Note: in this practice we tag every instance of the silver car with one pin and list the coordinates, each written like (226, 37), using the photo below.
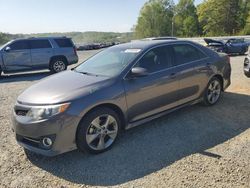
(54, 53)
(118, 88)
(247, 65)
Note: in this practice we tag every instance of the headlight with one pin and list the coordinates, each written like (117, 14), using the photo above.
(44, 112)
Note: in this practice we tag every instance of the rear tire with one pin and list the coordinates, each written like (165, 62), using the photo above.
(213, 92)
(58, 65)
(98, 131)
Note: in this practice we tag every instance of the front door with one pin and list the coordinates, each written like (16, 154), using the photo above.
(156, 92)
(16, 56)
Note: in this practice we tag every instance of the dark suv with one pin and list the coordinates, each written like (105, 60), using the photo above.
(54, 53)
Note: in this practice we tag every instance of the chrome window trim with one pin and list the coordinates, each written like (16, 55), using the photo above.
(161, 45)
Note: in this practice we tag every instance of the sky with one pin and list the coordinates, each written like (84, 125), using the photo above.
(40, 16)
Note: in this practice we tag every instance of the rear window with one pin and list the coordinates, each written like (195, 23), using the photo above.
(185, 53)
(64, 43)
(36, 44)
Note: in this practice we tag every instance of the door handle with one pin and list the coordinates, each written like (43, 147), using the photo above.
(173, 75)
(208, 64)
(205, 68)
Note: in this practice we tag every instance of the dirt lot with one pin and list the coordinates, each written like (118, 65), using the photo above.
(193, 147)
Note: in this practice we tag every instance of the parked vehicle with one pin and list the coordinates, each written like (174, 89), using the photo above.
(119, 88)
(230, 46)
(95, 46)
(247, 65)
(54, 53)
(161, 38)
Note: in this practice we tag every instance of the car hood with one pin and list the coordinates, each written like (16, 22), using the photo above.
(62, 87)
(212, 41)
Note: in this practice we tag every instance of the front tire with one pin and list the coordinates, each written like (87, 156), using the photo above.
(98, 131)
(58, 65)
(213, 92)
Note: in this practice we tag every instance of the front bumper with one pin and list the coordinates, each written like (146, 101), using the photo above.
(247, 66)
(61, 129)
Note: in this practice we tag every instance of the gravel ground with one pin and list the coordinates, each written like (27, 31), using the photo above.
(193, 147)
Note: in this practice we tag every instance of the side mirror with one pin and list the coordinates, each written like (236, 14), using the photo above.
(138, 72)
(7, 49)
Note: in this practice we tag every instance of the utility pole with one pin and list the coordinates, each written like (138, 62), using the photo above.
(172, 33)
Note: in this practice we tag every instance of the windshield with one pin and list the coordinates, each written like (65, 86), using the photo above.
(109, 62)
(3, 45)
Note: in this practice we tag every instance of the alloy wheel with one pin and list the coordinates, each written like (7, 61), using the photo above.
(59, 66)
(214, 91)
(102, 132)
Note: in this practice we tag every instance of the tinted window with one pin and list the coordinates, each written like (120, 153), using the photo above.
(235, 41)
(19, 45)
(64, 43)
(185, 53)
(34, 44)
(156, 59)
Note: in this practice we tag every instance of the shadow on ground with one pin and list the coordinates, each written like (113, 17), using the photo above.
(155, 145)
(24, 77)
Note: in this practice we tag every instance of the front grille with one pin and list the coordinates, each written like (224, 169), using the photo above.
(21, 112)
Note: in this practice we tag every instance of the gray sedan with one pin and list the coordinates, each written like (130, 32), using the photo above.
(118, 88)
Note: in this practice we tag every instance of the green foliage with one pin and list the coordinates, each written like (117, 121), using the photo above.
(220, 17)
(5, 37)
(246, 30)
(155, 19)
(186, 19)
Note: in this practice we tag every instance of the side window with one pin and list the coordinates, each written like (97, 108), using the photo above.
(19, 45)
(185, 53)
(37, 44)
(64, 43)
(156, 59)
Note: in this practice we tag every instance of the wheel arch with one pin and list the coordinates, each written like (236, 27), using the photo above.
(58, 57)
(218, 76)
(111, 106)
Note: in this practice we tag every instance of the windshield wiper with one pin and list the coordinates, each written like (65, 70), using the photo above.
(86, 73)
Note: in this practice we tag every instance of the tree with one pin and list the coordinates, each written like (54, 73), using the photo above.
(246, 30)
(186, 19)
(220, 17)
(155, 19)
(3, 38)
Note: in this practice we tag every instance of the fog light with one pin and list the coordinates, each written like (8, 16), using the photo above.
(47, 142)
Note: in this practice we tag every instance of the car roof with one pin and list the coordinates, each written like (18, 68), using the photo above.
(37, 38)
(145, 44)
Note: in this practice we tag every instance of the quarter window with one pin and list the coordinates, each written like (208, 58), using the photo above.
(64, 43)
(156, 59)
(37, 44)
(185, 53)
(19, 45)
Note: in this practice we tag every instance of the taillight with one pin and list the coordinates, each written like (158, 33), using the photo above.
(75, 50)
(228, 59)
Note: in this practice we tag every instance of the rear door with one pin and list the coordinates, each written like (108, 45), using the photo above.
(17, 56)
(193, 68)
(234, 45)
(41, 52)
(156, 92)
